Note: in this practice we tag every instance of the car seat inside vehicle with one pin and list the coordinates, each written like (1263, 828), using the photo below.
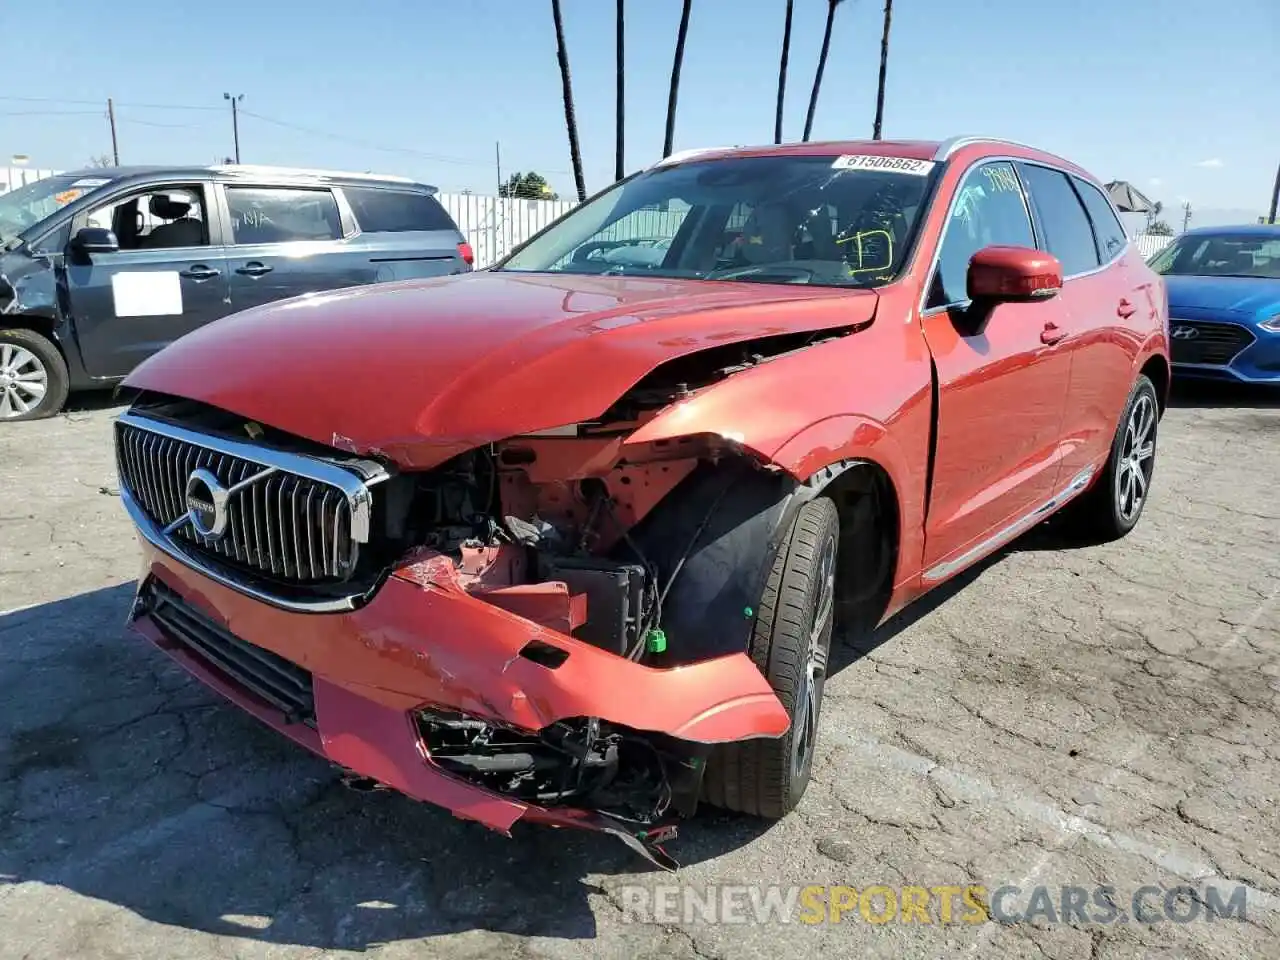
(180, 230)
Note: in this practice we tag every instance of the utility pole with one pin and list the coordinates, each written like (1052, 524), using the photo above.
(619, 106)
(497, 158)
(1275, 198)
(115, 145)
(235, 123)
(1186, 215)
(884, 66)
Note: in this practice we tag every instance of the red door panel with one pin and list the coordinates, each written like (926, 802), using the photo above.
(1103, 313)
(1001, 394)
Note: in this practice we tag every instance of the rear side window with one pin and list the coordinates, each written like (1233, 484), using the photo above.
(1067, 233)
(1106, 226)
(396, 211)
(282, 214)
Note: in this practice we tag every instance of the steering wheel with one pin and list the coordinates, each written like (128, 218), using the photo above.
(732, 273)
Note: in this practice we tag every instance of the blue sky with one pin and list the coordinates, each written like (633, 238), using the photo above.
(1177, 96)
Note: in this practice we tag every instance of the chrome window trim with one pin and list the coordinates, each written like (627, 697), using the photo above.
(950, 146)
(1026, 201)
(352, 479)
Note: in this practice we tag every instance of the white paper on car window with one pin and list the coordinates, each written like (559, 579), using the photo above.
(150, 293)
(857, 161)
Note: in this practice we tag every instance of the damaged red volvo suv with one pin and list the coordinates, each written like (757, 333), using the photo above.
(567, 539)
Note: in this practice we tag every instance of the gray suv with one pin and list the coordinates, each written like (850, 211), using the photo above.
(101, 268)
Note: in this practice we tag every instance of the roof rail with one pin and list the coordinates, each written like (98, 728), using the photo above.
(947, 147)
(681, 155)
(248, 168)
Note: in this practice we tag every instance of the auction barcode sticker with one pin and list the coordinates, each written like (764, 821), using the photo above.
(859, 161)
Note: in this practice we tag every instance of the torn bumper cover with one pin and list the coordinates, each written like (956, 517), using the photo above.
(365, 688)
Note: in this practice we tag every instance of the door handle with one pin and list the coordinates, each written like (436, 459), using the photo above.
(254, 269)
(1126, 309)
(1051, 334)
(199, 272)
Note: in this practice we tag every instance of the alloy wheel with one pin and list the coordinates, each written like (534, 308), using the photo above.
(23, 381)
(809, 695)
(1137, 459)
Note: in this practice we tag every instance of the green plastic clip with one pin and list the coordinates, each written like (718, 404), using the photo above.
(656, 641)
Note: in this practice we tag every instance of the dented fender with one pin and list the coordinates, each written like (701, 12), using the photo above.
(28, 286)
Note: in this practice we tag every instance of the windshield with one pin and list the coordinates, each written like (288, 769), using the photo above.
(1221, 255)
(27, 206)
(828, 221)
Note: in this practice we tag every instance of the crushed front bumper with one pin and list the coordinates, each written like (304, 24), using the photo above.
(423, 642)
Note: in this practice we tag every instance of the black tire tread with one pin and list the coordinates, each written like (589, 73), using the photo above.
(754, 776)
(1093, 517)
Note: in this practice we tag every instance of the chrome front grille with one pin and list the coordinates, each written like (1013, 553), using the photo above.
(295, 519)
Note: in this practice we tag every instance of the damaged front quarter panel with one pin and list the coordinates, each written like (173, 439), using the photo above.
(28, 287)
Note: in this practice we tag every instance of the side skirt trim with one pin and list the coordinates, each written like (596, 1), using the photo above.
(948, 567)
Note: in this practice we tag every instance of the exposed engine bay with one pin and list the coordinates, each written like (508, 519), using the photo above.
(552, 530)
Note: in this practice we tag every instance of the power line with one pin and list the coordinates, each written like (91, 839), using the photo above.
(119, 103)
(152, 123)
(363, 143)
(434, 157)
(285, 124)
(45, 100)
(49, 113)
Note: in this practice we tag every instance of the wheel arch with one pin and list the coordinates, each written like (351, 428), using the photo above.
(870, 511)
(35, 322)
(1156, 369)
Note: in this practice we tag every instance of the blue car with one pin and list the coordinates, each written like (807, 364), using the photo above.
(1224, 302)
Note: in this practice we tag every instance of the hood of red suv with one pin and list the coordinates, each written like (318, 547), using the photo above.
(420, 370)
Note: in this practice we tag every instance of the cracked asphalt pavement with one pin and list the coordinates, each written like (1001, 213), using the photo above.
(1100, 715)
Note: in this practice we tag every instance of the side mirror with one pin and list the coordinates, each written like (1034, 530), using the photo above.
(1012, 274)
(95, 240)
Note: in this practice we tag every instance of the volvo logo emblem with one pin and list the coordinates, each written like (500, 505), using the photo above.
(1185, 333)
(207, 504)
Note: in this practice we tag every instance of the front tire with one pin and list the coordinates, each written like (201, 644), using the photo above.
(1112, 507)
(791, 644)
(33, 376)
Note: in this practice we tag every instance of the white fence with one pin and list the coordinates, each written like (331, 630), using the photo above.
(1150, 244)
(11, 178)
(495, 225)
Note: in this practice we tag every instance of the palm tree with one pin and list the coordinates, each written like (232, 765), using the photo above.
(1153, 214)
(782, 74)
(562, 54)
(675, 78)
(618, 165)
(822, 65)
(884, 68)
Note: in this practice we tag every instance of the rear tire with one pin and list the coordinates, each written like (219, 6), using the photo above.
(1113, 505)
(33, 376)
(791, 644)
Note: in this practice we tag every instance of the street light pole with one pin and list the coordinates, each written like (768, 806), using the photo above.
(235, 123)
